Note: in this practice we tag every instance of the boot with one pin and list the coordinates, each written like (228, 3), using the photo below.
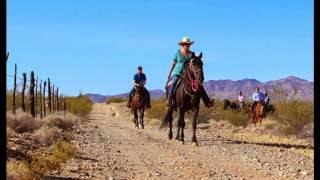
(129, 101)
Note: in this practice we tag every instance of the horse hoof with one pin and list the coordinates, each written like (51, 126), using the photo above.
(170, 136)
(182, 142)
(195, 144)
(142, 127)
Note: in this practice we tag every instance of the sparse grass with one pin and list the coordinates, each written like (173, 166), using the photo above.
(17, 171)
(115, 100)
(294, 115)
(236, 118)
(157, 110)
(80, 106)
(41, 164)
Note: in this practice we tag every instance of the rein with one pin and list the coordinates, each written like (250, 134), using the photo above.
(195, 83)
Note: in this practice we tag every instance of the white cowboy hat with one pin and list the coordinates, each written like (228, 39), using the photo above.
(185, 40)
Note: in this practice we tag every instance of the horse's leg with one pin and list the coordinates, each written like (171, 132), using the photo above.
(135, 117)
(194, 127)
(170, 119)
(141, 117)
(181, 125)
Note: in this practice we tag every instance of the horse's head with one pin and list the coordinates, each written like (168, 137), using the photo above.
(139, 90)
(195, 68)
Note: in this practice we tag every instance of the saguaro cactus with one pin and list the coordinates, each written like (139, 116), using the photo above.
(57, 100)
(24, 75)
(31, 95)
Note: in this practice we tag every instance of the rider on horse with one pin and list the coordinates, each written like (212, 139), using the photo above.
(257, 97)
(181, 57)
(241, 99)
(139, 78)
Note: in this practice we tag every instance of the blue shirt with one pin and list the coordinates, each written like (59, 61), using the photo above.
(258, 96)
(139, 78)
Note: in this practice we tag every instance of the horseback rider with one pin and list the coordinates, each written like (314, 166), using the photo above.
(257, 97)
(267, 100)
(181, 57)
(241, 100)
(139, 79)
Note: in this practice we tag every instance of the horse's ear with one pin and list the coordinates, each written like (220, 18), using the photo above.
(200, 55)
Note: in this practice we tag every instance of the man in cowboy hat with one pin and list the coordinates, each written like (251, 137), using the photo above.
(139, 78)
(180, 58)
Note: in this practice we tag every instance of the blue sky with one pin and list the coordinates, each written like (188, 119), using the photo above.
(96, 46)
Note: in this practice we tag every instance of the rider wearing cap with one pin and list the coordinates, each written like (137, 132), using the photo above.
(139, 78)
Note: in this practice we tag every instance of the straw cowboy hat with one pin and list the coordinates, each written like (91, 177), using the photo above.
(185, 40)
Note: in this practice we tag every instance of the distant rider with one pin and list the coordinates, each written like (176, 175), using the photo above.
(257, 97)
(241, 99)
(267, 100)
(139, 78)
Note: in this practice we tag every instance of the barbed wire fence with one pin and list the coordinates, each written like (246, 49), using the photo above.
(46, 101)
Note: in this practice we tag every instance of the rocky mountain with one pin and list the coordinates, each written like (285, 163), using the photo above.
(287, 88)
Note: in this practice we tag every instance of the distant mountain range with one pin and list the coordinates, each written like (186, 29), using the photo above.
(288, 88)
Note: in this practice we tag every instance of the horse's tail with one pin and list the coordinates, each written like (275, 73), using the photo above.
(165, 121)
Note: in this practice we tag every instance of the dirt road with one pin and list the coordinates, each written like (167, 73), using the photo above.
(111, 147)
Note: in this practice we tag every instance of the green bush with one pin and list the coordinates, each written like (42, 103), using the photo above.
(294, 114)
(80, 106)
(115, 100)
(158, 109)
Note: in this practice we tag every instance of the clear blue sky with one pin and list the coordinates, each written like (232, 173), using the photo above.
(97, 45)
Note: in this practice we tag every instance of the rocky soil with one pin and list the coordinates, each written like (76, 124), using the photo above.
(110, 147)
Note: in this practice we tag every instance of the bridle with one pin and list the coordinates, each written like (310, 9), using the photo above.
(195, 83)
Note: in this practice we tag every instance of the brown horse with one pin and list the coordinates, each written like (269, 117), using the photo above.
(257, 114)
(138, 105)
(187, 97)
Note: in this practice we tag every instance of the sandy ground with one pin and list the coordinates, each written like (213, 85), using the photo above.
(110, 147)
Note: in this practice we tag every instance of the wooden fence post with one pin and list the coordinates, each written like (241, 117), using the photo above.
(24, 75)
(36, 100)
(49, 95)
(44, 98)
(41, 115)
(53, 109)
(14, 89)
(57, 101)
(31, 95)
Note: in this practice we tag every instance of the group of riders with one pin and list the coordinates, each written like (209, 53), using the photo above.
(257, 97)
(181, 57)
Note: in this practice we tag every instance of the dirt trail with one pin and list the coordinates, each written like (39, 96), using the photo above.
(110, 146)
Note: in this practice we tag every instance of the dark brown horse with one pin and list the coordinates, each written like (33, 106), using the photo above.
(187, 97)
(138, 105)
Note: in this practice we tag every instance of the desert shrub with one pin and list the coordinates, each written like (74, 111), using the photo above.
(115, 100)
(46, 135)
(17, 170)
(22, 122)
(80, 106)
(236, 118)
(62, 122)
(294, 114)
(157, 110)
(41, 164)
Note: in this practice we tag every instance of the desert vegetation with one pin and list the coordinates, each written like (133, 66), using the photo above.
(115, 100)
(292, 116)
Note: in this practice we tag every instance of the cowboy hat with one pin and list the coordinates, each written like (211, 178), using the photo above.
(185, 40)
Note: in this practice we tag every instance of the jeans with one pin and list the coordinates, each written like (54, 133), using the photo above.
(174, 81)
